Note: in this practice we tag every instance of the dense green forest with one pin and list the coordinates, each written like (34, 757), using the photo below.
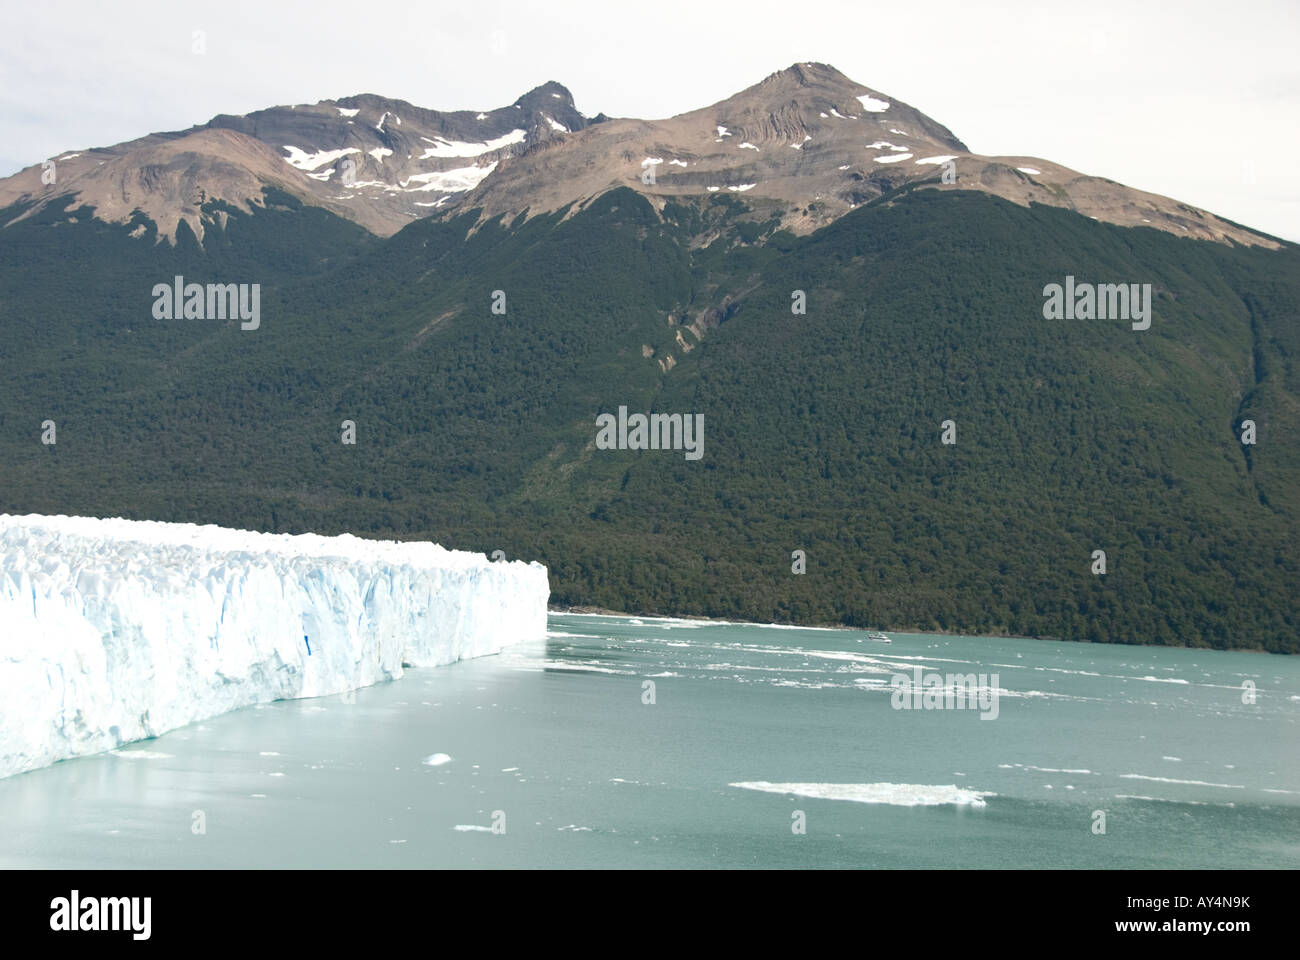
(822, 430)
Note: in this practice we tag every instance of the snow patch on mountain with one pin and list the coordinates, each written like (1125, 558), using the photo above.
(450, 181)
(443, 149)
(310, 161)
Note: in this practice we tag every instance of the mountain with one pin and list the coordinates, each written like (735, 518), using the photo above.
(806, 144)
(823, 431)
(372, 160)
(809, 145)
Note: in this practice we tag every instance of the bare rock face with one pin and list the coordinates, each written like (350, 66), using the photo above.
(805, 145)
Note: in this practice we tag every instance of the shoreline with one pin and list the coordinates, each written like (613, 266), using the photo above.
(584, 610)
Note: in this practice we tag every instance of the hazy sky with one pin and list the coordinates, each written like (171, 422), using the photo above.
(1195, 100)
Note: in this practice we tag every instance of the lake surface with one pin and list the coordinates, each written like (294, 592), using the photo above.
(554, 743)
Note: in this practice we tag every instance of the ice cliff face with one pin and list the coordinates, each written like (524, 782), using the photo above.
(117, 630)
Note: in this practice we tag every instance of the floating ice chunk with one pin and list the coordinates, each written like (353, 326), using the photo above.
(872, 105)
(1055, 769)
(436, 760)
(1194, 783)
(895, 794)
(141, 754)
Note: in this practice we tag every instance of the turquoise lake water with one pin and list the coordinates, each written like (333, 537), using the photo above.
(555, 744)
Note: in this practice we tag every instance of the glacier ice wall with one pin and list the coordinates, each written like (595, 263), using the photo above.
(117, 630)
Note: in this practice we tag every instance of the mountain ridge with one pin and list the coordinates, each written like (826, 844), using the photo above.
(807, 144)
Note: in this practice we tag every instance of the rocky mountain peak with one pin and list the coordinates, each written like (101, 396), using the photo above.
(806, 144)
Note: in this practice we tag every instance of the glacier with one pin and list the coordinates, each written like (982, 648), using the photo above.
(117, 630)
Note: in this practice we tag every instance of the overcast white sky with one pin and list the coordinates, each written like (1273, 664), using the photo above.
(1198, 99)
